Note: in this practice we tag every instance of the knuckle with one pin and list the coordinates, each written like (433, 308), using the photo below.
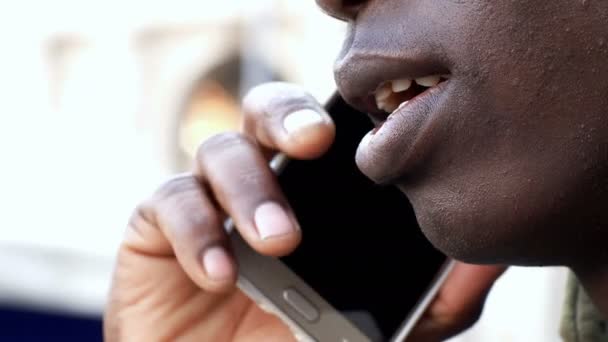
(187, 215)
(251, 177)
(222, 142)
(182, 183)
(144, 214)
(181, 196)
(195, 223)
(277, 99)
(183, 201)
(263, 92)
(279, 107)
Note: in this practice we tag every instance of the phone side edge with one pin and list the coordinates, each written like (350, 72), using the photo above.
(423, 304)
(265, 280)
(267, 305)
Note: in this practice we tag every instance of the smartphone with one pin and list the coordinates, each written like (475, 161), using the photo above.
(363, 272)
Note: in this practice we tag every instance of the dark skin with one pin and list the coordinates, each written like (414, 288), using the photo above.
(510, 164)
(505, 163)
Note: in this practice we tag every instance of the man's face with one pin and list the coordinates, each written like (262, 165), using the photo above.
(506, 160)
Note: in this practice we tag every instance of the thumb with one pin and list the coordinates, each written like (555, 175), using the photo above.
(283, 117)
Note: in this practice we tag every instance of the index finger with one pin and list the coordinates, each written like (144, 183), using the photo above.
(283, 117)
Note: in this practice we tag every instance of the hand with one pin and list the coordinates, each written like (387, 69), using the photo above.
(458, 304)
(175, 274)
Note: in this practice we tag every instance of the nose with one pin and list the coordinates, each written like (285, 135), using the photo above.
(342, 9)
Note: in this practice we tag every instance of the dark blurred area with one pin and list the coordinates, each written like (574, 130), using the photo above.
(19, 324)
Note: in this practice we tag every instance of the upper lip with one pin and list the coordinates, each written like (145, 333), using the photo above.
(359, 73)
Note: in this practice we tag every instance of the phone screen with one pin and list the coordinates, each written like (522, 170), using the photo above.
(362, 249)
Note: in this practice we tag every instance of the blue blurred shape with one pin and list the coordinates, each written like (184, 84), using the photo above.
(17, 324)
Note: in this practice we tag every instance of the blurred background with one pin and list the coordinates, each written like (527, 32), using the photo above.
(100, 101)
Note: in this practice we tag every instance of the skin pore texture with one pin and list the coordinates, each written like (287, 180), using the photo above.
(508, 162)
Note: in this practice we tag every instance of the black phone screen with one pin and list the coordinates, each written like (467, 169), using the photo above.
(362, 249)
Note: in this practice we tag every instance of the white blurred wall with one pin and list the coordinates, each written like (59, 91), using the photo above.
(89, 91)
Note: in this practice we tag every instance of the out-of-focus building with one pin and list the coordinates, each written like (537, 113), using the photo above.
(100, 101)
(105, 99)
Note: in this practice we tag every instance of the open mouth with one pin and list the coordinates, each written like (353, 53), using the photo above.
(394, 95)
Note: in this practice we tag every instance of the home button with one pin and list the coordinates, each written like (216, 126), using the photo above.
(302, 305)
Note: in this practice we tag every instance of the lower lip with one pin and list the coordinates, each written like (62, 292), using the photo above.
(387, 153)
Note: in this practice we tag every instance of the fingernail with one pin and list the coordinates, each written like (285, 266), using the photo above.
(301, 119)
(217, 264)
(271, 220)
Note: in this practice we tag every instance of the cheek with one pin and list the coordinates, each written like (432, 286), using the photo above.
(523, 162)
(484, 219)
(519, 209)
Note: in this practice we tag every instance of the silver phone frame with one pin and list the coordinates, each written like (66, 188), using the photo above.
(264, 279)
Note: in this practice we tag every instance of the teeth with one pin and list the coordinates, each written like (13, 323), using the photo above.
(428, 81)
(390, 107)
(401, 85)
(381, 105)
(383, 93)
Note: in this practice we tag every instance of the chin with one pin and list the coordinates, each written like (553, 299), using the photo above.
(486, 230)
(458, 241)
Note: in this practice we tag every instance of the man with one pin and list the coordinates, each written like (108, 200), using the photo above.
(502, 148)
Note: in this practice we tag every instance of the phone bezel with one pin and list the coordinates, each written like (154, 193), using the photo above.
(264, 279)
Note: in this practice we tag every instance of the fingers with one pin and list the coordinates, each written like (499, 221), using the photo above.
(466, 285)
(459, 303)
(284, 117)
(185, 217)
(180, 220)
(246, 188)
